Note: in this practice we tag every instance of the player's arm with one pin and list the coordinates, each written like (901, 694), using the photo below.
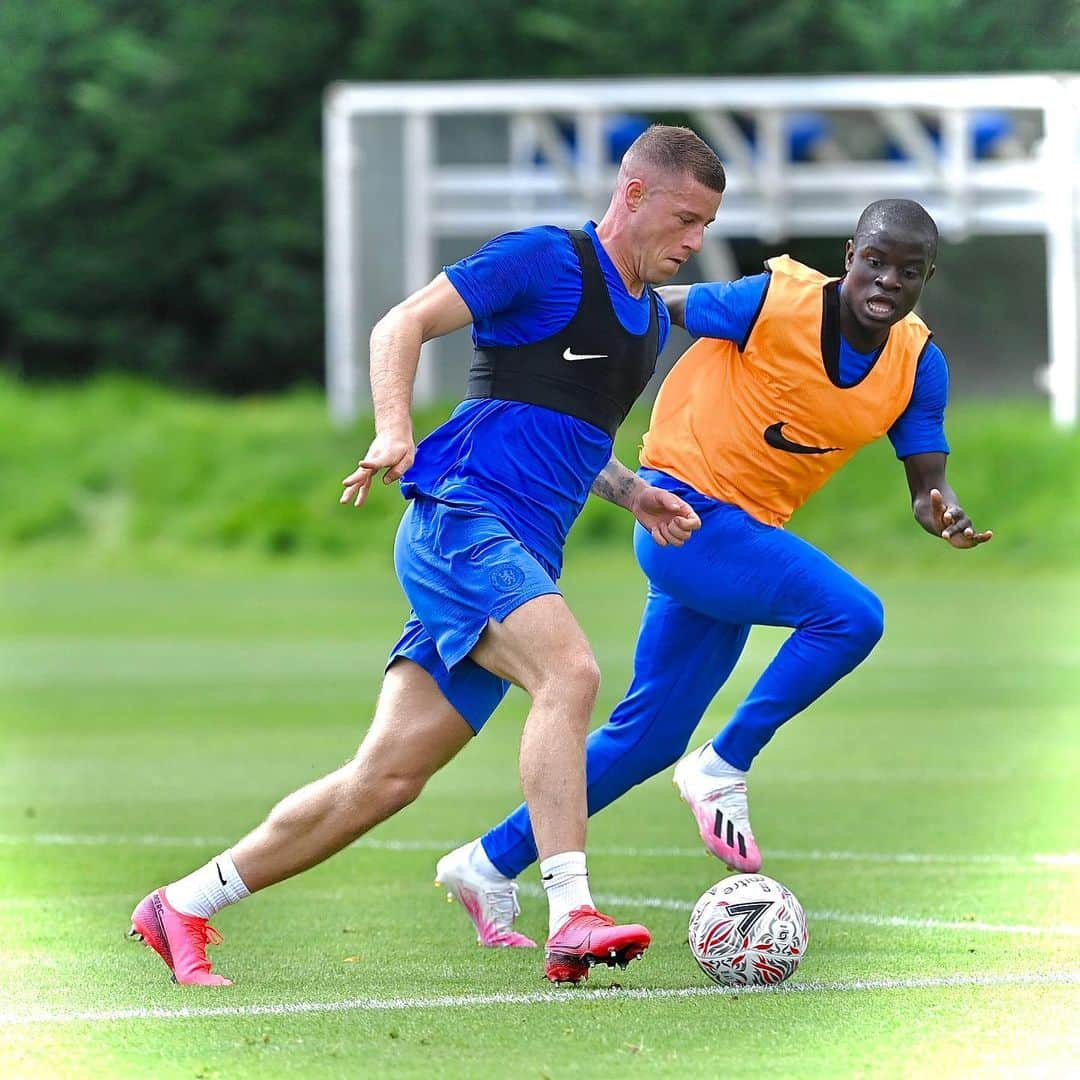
(668, 519)
(918, 437)
(936, 506)
(674, 297)
(431, 312)
(717, 309)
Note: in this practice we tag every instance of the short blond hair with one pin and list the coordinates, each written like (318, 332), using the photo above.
(677, 150)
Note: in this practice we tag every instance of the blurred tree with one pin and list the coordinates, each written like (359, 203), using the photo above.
(491, 39)
(160, 203)
(160, 192)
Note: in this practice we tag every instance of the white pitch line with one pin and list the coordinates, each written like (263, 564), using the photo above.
(900, 921)
(940, 924)
(154, 840)
(530, 889)
(548, 997)
(1059, 860)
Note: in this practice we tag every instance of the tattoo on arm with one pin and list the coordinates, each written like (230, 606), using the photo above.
(616, 483)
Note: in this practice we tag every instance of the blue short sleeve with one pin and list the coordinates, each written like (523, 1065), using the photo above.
(525, 286)
(512, 271)
(920, 429)
(725, 309)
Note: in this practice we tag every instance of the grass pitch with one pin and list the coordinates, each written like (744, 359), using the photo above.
(924, 812)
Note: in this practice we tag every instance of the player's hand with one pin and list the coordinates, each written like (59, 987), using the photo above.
(953, 525)
(670, 521)
(394, 453)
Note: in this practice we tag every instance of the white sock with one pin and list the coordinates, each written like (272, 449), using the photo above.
(712, 764)
(566, 882)
(480, 864)
(209, 889)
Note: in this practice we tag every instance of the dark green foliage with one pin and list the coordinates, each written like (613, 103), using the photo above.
(568, 38)
(160, 174)
(160, 185)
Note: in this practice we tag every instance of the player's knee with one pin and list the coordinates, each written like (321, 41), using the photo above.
(395, 791)
(864, 617)
(583, 675)
(400, 791)
(387, 789)
(576, 675)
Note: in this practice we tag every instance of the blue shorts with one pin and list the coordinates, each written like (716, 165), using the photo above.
(459, 568)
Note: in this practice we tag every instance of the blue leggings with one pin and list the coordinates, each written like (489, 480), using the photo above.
(702, 600)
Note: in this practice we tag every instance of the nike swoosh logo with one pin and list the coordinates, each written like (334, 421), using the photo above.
(569, 354)
(221, 876)
(774, 436)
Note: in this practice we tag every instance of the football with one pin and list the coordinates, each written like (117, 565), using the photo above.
(748, 930)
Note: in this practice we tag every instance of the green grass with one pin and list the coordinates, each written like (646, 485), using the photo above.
(180, 707)
(117, 473)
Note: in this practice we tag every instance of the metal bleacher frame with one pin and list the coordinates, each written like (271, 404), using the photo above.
(770, 196)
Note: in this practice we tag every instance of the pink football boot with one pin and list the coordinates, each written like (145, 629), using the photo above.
(589, 938)
(180, 940)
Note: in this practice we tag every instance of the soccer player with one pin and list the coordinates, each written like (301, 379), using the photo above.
(567, 331)
(792, 373)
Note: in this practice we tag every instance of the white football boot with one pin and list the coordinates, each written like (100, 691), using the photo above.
(488, 897)
(723, 816)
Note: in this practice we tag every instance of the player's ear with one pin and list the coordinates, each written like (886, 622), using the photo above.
(930, 273)
(634, 193)
(849, 254)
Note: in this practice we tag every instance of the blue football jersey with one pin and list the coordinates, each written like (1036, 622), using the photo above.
(531, 466)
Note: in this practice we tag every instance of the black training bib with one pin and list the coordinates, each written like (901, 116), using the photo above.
(593, 368)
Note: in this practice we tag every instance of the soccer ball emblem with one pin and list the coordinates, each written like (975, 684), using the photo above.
(748, 930)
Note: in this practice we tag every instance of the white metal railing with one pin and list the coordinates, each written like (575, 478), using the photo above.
(769, 195)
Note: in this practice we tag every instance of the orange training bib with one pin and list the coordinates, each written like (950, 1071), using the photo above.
(766, 427)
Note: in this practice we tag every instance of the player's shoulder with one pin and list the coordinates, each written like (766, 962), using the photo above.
(784, 266)
(534, 241)
(512, 267)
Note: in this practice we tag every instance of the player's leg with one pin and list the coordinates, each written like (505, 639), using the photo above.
(681, 660)
(837, 622)
(414, 733)
(540, 647)
(483, 597)
(768, 577)
(489, 899)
